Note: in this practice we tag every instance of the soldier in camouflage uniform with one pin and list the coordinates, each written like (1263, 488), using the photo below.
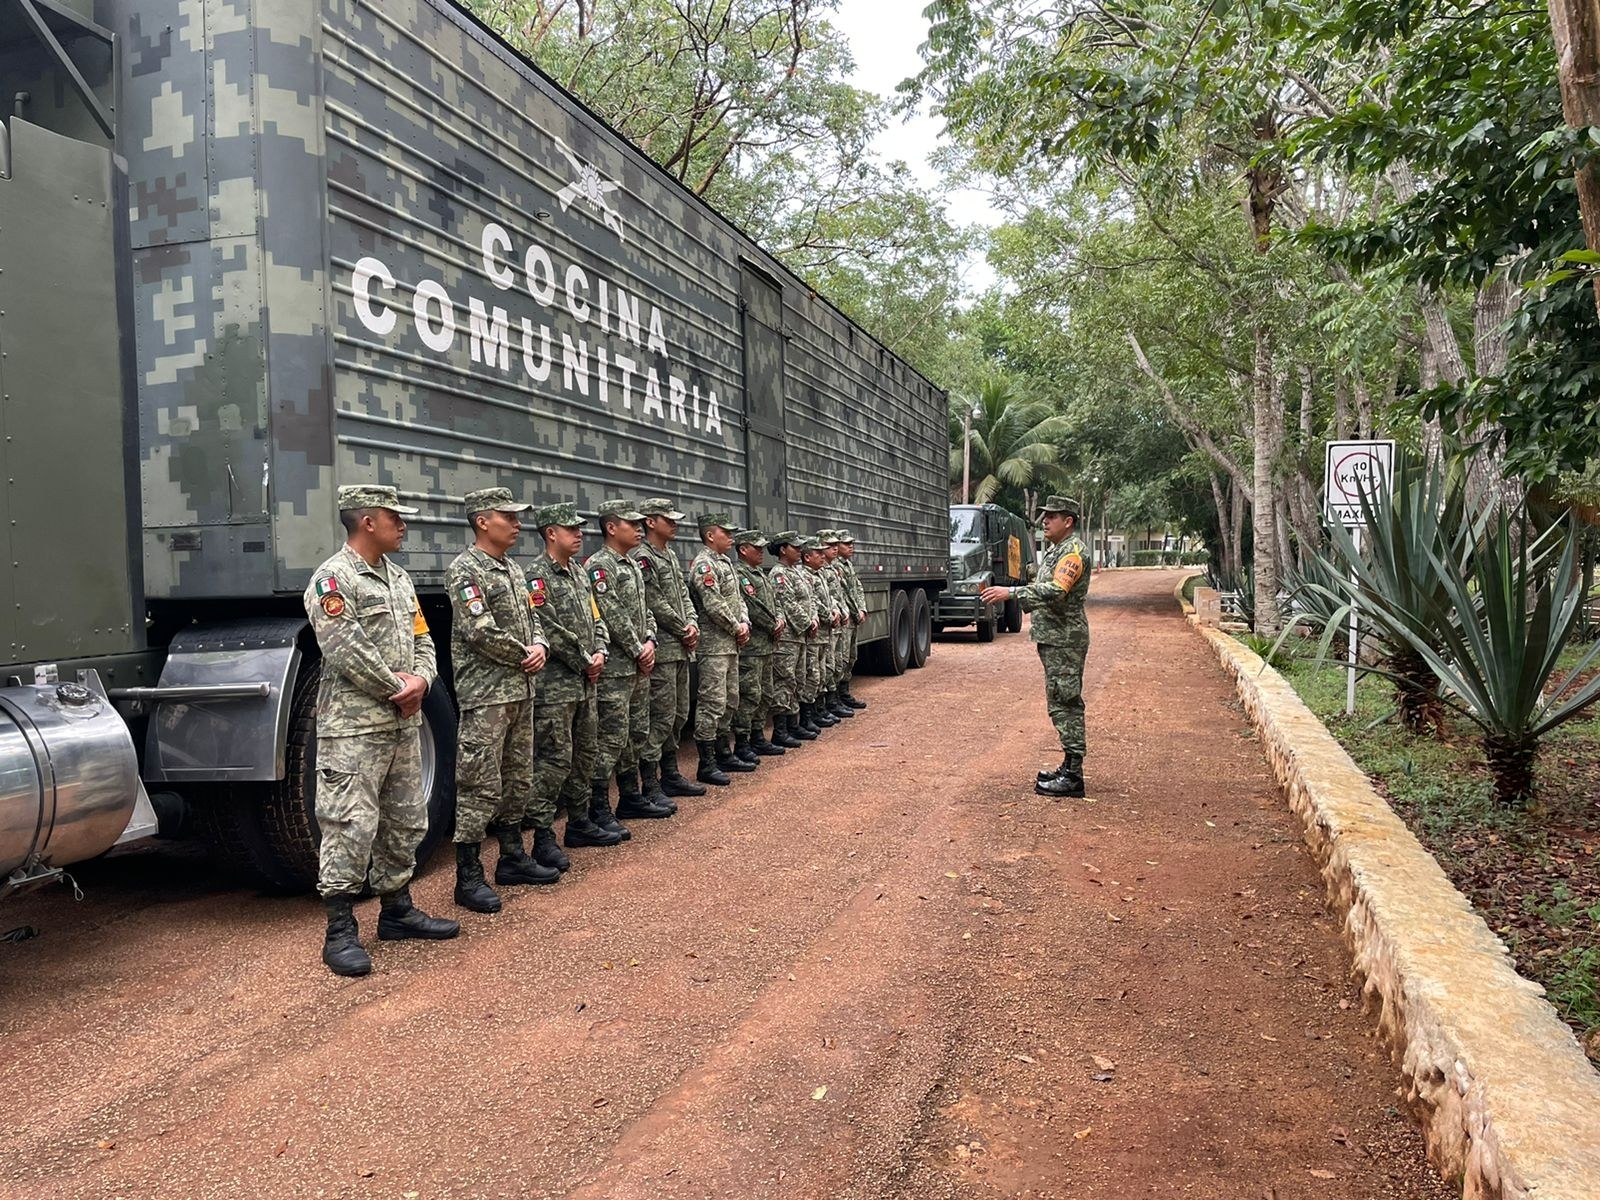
(497, 647)
(1061, 628)
(755, 657)
(624, 691)
(377, 665)
(565, 718)
(858, 601)
(677, 634)
(839, 664)
(813, 713)
(724, 627)
(792, 594)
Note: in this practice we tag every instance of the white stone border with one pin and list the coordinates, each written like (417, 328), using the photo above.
(1507, 1101)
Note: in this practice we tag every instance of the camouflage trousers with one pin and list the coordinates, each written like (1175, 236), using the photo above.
(839, 666)
(755, 692)
(624, 714)
(1063, 691)
(494, 767)
(718, 698)
(669, 708)
(564, 736)
(853, 638)
(809, 679)
(371, 810)
(787, 663)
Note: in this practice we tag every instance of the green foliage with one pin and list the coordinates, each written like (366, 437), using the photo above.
(1018, 444)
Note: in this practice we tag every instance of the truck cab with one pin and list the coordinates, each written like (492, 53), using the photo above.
(988, 545)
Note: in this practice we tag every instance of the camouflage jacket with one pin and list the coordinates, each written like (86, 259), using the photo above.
(369, 626)
(1056, 598)
(572, 626)
(762, 604)
(828, 605)
(492, 622)
(852, 582)
(717, 597)
(667, 596)
(618, 586)
(839, 581)
(792, 588)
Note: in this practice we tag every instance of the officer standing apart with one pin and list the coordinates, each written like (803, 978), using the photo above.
(858, 603)
(677, 634)
(377, 665)
(755, 657)
(497, 646)
(724, 627)
(799, 608)
(565, 719)
(1061, 629)
(624, 697)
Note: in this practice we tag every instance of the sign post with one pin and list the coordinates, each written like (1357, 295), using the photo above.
(1355, 469)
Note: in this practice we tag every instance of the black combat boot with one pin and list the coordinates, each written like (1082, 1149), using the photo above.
(673, 782)
(820, 716)
(838, 707)
(650, 785)
(600, 810)
(796, 728)
(547, 851)
(710, 771)
(516, 866)
(582, 831)
(341, 945)
(633, 804)
(744, 750)
(472, 892)
(399, 919)
(1066, 764)
(762, 744)
(781, 735)
(844, 694)
(728, 760)
(1068, 783)
(807, 726)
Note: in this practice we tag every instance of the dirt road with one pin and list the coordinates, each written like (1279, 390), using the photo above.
(879, 967)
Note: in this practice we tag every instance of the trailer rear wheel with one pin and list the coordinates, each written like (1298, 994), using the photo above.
(921, 627)
(897, 650)
(1013, 615)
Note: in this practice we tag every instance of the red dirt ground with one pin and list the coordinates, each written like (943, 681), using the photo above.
(879, 967)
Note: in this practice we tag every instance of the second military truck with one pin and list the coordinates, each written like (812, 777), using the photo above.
(988, 545)
(253, 250)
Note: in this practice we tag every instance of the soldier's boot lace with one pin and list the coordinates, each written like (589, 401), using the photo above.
(762, 744)
(728, 760)
(472, 892)
(650, 785)
(547, 851)
(709, 771)
(838, 707)
(516, 866)
(1066, 765)
(633, 804)
(673, 781)
(399, 919)
(581, 831)
(341, 946)
(600, 810)
(852, 701)
(744, 749)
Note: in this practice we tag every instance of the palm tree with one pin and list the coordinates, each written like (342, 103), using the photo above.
(1018, 446)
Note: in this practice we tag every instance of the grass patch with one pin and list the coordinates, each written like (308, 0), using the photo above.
(1190, 584)
(1534, 875)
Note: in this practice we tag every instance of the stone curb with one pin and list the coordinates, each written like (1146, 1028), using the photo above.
(1507, 1101)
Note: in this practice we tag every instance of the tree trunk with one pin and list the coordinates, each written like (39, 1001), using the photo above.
(1363, 408)
(1267, 420)
(1487, 487)
(1236, 506)
(1576, 26)
(1341, 408)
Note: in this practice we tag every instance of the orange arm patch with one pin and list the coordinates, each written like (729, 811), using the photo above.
(1068, 571)
(419, 623)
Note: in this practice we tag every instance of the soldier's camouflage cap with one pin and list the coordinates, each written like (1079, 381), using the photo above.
(660, 506)
(827, 537)
(493, 500)
(1059, 504)
(789, 537)
(716, 520)
(621, 509)
(372, 495)
(749, 537)
(563, 514)
(845, 537)
(808, 543)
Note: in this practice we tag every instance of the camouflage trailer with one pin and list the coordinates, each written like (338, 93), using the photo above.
(254, 249)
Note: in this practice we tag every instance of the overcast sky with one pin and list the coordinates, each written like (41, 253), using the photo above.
(884, 36)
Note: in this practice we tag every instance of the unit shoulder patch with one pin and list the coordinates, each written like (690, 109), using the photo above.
(333, 604)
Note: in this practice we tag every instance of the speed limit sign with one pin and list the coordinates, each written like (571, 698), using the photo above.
(1354, 468)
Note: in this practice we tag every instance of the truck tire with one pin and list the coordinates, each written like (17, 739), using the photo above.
(897, 651)
(1013, 616)
(227, 819)
(986, 624)
(921, 628)
(286, 810)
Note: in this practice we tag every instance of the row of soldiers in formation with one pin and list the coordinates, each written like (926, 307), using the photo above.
(568, 674)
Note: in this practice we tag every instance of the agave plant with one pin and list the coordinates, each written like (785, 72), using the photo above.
(1494, 639)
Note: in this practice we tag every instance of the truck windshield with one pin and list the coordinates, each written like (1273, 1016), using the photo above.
(966, 524)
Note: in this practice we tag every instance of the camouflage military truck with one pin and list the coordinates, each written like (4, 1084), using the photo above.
(251, 250)
(988, 544)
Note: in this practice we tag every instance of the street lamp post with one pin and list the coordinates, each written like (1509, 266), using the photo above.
(966, 452)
